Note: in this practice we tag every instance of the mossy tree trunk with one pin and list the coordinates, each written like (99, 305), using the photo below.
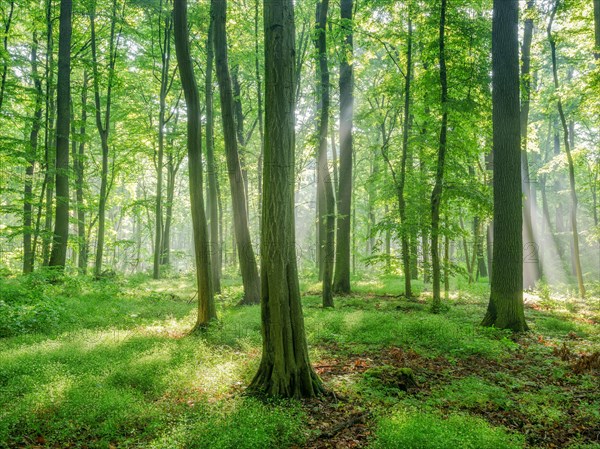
(248, 265)
(206, 303)
(285, 367)
(505, 308)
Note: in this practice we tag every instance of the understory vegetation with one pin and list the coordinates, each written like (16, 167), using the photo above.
(105, 364)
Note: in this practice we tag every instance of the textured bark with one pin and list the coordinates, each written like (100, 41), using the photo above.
(531, 273)
(211, 171)
(206, 303)
(247, 260)
(436, 195)
(567, 144)
(324, 187)
(341, 278)
(63, 127)
(505, 308)
(285, 367)
(28, 255)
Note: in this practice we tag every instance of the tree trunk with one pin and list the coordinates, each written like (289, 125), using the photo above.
(28, 255)
(79, 176)
(206, 303)
(597, 28)
(285, 367)
(324, 185)
(567, 143)
(505, 308)
(103, 128)
(341, 278)
(63, 128)
(212, 194)
(165, 47)
(247, 260)
(259, 100)
(405, 234)
(531, 273)
(436, 195)
(7, 25)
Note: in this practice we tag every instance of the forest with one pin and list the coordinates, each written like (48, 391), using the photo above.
(299, 224)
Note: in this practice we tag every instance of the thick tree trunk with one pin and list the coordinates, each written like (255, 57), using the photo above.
(567, 143)
(505, 308)
(247, 260)
(285, 367)
(341, 278)
(436, 195)
(324, 186)
(531, 273)
(206, 303)
(28, 255)
(63, 127)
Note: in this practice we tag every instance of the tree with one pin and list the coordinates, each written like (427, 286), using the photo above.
(63, 128)
(247, 260)
(597, 28)
(436, 195)
(285, 368)
(567, 143)
(341, 279)
(206, 302)
(505, 307)
(211, 169)
(325, 194)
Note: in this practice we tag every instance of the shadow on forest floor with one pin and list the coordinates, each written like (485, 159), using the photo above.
(112, 366)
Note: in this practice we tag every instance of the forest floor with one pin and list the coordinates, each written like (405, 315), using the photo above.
(109, 364)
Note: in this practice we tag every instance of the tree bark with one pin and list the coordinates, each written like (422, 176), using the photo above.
(285, 367)
(505, 308)
(341, 278)
(436, 195)
(531, 273)
(567, 143)
(247, 260)
(63, 128)
(28, 255)
(206, 303)
(324, 186)
(79, 176)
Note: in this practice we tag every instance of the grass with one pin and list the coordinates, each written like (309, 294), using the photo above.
(109, 364)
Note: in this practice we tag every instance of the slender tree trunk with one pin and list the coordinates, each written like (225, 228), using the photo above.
(79, 173)
(213, 217)
(28, 255)
(567, 143)
(165, 46)
(49, 150)
(405, 234)
(238, 113)
(259, 101)
(531, 273)
(285, 367)
(103, 128)
(465, 245)
(505, 308)
(206, 303)
(7, 25)
(58, 255)
(324, 185)
(341, 279)
(436, 195)
(597, 28)
(247, 260)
